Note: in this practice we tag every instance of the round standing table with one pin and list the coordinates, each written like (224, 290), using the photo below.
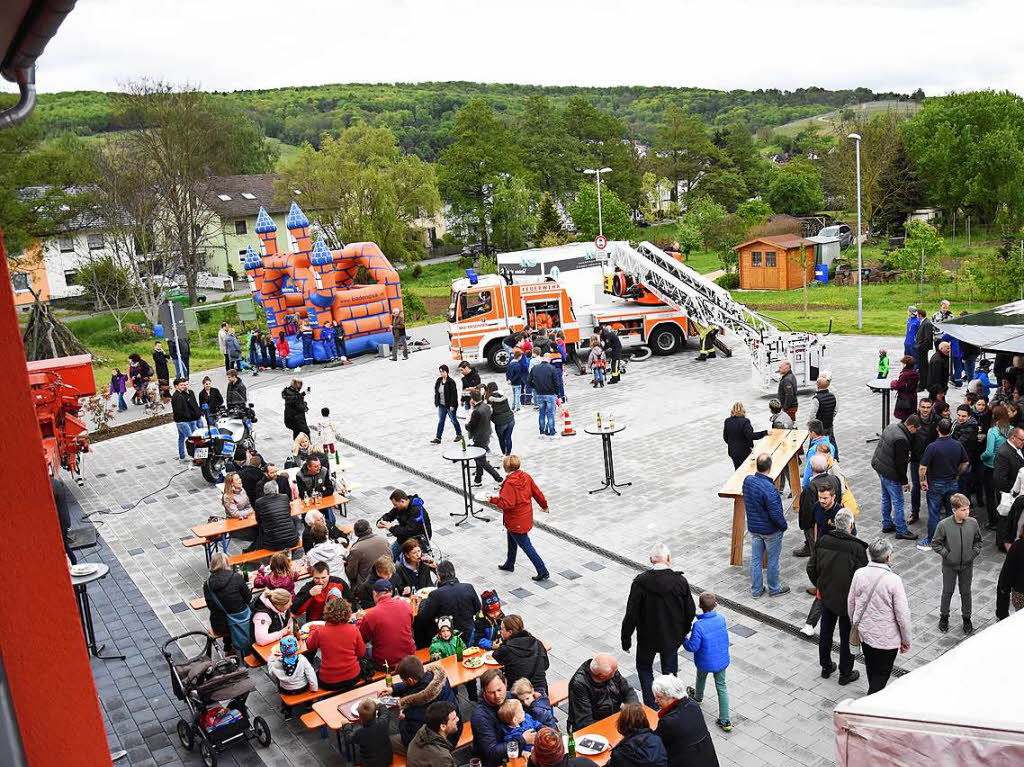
(80, 584)
(881, 385)
(606, 433)
(464, 458)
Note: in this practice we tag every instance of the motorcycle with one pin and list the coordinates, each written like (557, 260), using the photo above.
(229, 437)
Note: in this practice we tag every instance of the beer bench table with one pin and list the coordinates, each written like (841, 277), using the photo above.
(784, 446)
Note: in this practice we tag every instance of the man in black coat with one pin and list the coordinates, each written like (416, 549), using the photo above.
(253, 476)
(660, 610)
(809, 499)
(1008, 463)
(451, 597)
(186, 413)
(837, 556)
(275, 529)
(923, 345)
(597, 690)
(295, 408)
(924, 436)
(890, 461)
(938, 373)
(788, 389)
(446, 400)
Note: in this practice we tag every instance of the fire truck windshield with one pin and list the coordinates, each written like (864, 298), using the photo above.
(451, 306)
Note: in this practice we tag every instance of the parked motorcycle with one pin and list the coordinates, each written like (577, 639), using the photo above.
(228, 437)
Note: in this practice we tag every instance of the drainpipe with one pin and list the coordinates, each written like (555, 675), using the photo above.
(26, 79)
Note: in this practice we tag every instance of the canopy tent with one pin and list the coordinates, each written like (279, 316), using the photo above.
(961, 709)
(1000, 329)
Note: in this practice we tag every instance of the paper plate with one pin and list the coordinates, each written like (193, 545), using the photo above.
(592, 745)
(472, 663)
(489, 659)
(306, 629)
(84, 569)
(425, 591)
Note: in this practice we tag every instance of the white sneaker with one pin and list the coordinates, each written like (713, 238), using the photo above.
(807, 630)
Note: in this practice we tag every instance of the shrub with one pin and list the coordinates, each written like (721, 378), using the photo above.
(413, 305)
(417, 272)
(729, 281)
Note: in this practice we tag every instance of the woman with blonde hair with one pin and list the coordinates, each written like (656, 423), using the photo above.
(739, 435)
(227, 598)
(303, 449)
(515, 499)
(234, 499)
(271, 616)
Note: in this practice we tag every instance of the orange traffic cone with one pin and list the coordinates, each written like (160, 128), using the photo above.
(567, 430)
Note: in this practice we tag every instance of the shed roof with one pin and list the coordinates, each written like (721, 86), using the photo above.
(245, 195)
(784, 241)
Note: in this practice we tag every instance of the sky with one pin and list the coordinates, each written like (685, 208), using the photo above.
(938, 45)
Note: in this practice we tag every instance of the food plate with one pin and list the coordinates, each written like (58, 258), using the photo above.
(489, 659)
(425, 591)
(307, 628)
(84, 569)
(592, 745)
(472, 663)
(470, 651)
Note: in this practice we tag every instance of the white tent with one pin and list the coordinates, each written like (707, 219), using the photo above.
(1000, 329)
(964, 708)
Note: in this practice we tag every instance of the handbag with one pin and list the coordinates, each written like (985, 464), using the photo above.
(855, 640)
(1005, 502)
(238, 624)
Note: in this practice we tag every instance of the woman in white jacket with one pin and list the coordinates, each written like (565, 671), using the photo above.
(877, 606)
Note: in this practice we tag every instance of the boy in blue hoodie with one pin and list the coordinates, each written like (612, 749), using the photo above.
(709, 643)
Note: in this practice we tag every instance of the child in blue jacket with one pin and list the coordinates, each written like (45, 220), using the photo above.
(709, 643)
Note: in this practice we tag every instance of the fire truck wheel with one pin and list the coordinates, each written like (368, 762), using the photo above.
(664, 341)
(497, 357)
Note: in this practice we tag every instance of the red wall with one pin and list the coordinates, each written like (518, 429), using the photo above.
(40, 632)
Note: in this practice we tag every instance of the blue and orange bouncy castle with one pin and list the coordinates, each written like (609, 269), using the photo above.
(318, 285)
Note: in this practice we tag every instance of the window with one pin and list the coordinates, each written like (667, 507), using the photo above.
(769, 259)
(95, 241)
(240, 227)
(70, 276)
(241, 255)
(66, 245)
(248, 196)
(224, 197)
(20, 280)
(475, 304)
(755, 258)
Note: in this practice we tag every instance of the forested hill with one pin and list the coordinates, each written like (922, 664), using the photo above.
(421, 114)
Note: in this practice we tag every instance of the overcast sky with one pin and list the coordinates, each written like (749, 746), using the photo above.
(939, 45)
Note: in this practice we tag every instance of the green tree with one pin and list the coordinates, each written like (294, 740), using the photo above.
(725, 186)
(549, 220)
(615, 219)
(551, 155)
(682, 151)
(754, 212)
(513, 212)
(690, 239)
(922, 241)
(969, 150)
(796, 189)
(605, 145)
(359, 187)
(481, 151)
(704, 215)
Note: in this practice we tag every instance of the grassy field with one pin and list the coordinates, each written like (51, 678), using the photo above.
(867, 109)
(287, 151)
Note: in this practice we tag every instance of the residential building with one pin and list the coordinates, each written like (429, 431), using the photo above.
(50, 267)
(235, 202)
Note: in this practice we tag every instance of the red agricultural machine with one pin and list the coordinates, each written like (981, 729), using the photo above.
(56, 387)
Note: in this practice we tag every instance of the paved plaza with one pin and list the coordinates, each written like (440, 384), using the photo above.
(672, 451)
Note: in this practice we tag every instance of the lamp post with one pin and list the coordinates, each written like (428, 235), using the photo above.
(860, 264)
(598, 172)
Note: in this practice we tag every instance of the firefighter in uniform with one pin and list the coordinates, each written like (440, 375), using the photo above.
(708, 336)
(613, 350)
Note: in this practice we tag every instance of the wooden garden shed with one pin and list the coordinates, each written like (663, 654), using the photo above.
(773, 262)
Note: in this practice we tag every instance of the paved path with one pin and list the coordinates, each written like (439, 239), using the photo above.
(593, 544)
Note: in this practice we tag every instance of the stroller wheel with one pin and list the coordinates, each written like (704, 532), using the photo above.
(262, 730)
(207, 753)
(185, 734)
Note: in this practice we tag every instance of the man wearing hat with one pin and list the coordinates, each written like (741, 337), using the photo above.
(549, 751)
(387, 627)
(487, 624)
(913, 323)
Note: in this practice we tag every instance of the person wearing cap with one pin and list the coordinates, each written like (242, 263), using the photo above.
(387, 626)
(318, 590)
(913, 323)
(341, 647)
(487, 624)
(981, 374)
(291, 671)
(445, 642)
(549, 751)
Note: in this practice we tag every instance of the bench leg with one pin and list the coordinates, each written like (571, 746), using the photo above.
(739, 526)
(795, 479)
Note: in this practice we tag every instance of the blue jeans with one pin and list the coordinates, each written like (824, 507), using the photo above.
(517, 397)
(396, 550)
(958, 370)
(254, 357)
(561, 383)
(504, 432)
(599, 376)
(121, 404)
(915, 489)
(892, 504)
(177, 368)
(546, 416)
(522, 541)
(307, 349)
(527, 395)
(939, 492)
(645, 668)
(908, 351)
(184, 432)
(442, 413)
(969, 366)
(758, 545)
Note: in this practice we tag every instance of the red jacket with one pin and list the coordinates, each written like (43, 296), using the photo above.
(388, 626)
(515, 501)
(341, 647)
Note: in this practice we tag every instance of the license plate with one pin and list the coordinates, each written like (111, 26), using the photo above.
(202, 452)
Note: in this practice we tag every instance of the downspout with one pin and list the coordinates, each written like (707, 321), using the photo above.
(26, 79)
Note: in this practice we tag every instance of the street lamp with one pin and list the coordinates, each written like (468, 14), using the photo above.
(598, 172)
(860, 265)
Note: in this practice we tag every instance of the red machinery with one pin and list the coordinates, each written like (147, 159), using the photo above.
(56, 387)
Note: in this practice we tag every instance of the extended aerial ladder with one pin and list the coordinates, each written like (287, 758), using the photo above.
(709, 305)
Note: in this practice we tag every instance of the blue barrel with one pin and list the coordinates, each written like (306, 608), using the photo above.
(821, 273)
(158, 330)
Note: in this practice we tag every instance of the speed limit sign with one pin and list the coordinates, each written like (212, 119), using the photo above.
(601, 242)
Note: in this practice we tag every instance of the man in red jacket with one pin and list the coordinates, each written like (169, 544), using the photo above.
(388, 626)
(515, 499)
(314, 595)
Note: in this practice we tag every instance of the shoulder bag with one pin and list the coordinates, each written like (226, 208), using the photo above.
(238, 624)
(855, 640)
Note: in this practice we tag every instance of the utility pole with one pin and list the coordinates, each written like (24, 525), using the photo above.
(598, 172)
(860, 262)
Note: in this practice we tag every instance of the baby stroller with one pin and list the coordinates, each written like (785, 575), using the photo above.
(214, 689)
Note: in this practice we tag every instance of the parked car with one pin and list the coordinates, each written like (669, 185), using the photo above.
(842, 231)
(181, 296)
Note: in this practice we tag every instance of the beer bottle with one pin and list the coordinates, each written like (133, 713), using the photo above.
(572, 744)
(599, 419)
(463, 443)
(245, 572)
(459, 646)
(387, 675)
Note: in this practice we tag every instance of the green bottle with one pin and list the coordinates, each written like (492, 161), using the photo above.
(387, 675)
(599, 419)
(245, 572)
(572, 744)
(458, 647)
(463, 443)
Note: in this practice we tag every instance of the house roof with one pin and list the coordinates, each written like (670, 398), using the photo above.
(784, 241)
(246, 194)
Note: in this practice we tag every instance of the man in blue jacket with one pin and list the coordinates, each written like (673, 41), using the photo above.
(766, 524)
(488, 734)
(543, 379)
(913, 323)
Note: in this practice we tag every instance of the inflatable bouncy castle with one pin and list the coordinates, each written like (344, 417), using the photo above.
(317, 285)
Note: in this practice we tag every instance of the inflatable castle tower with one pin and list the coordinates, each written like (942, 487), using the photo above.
(318, 285)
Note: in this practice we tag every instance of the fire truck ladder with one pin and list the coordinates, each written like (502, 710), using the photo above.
(679, 286)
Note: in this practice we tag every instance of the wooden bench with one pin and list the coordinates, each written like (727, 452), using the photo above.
(255, 556)
(297, 699)
(558, 692)
(312, 720)
(191, 543)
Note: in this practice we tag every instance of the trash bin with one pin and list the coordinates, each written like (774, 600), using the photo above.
(821, 273)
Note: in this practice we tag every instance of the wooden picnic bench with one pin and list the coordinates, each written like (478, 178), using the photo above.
(784, 446)
(301, 574)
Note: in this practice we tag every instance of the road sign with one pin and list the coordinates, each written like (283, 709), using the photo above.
(601, 242)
